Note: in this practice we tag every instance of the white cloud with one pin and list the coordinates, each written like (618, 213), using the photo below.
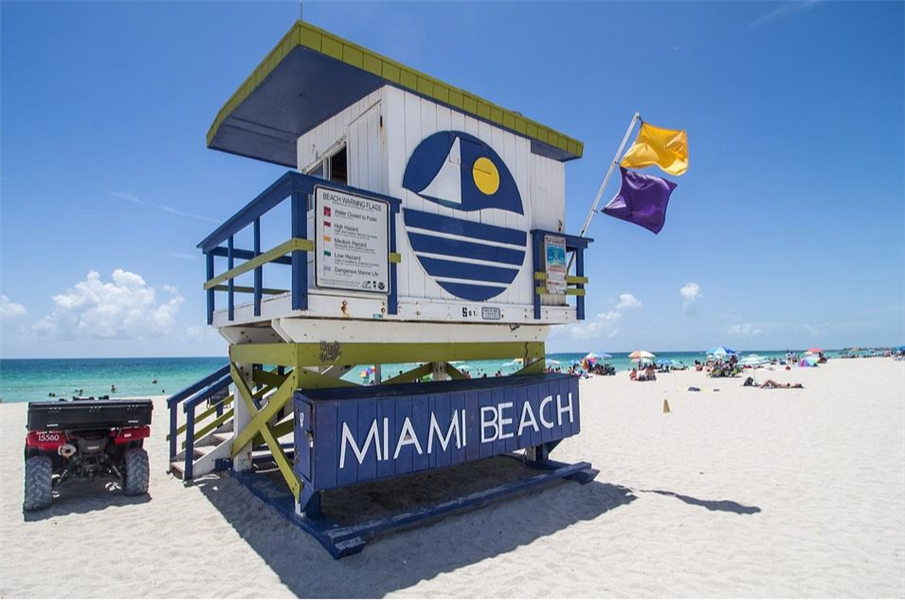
(819, 329)
(603, 323)
(627, 300)
(609, 316)
(163, 207)
(783, 10)
(125, 308)
(10, 310)
(690, 293)
(744, 329)
(600, 325)
(202, 333)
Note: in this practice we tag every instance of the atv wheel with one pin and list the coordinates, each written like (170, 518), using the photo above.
(137, 472)
(38, 483)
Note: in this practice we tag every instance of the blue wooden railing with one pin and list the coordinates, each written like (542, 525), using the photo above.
(189, 398)
(575, 283)
(297, 187)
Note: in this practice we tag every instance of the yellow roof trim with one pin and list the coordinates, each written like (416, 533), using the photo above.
(323, 42)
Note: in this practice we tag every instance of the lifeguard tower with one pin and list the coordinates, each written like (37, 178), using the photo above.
(418, 225)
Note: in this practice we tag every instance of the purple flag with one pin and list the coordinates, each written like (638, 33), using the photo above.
(642, 200)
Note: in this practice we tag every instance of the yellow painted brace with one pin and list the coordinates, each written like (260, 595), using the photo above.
(277, 400)
(262, 259)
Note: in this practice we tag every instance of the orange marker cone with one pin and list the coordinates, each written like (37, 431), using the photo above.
(666, 406)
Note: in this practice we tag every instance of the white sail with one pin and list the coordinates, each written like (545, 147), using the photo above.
(447, 184)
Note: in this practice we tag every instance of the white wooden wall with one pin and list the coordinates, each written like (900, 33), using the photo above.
(378, 156)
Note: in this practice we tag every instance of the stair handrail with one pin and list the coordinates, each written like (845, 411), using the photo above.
(174, 400)
(189, 409)
(201, 383)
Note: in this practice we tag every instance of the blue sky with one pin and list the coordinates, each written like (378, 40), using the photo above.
(785, 232)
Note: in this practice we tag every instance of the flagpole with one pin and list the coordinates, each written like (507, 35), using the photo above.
(606, 180)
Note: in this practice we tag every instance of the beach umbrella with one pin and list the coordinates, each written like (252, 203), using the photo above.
(551, 362)
(754, 361)
(666, 361)
(721, 351)
(641, 354)
(815, 350)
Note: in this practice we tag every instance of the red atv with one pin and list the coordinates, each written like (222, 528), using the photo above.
(85, 439)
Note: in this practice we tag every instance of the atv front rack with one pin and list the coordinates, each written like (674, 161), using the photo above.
(88, 414)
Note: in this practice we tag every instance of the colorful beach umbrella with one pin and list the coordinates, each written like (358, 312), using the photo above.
(721, 351)
(593, 357)
(641, 354)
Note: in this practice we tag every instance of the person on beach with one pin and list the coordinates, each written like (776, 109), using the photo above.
(772, 385)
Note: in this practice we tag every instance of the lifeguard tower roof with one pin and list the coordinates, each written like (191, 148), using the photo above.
(313, 74)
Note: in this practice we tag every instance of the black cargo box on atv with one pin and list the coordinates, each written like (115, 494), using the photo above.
(88, 414)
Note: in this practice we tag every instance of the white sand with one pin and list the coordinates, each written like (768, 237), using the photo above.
(744, 492)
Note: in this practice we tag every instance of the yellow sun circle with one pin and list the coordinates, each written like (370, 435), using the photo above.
(486, 176)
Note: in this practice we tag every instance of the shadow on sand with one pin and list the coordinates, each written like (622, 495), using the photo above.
(714, 505)
(400, 559)
(79, 497)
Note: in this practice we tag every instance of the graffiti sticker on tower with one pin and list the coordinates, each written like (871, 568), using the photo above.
(352, 242)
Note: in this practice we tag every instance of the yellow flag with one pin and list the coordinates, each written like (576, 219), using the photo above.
(666, 148)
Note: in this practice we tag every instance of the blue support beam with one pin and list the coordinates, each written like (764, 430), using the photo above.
(173, 427)
(299, 258)
(393, 299)
(187, 471)
(259, 272)
(579, 270)
(231, 292)
(538, 266)
(209, 260)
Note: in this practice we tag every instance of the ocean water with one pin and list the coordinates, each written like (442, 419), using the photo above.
(23, 380)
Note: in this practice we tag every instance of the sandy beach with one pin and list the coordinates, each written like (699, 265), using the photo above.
(736, 492)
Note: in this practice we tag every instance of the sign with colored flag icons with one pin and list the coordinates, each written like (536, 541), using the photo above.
(352, 242)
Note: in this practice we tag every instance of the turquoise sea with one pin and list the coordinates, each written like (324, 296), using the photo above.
(23, 380)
